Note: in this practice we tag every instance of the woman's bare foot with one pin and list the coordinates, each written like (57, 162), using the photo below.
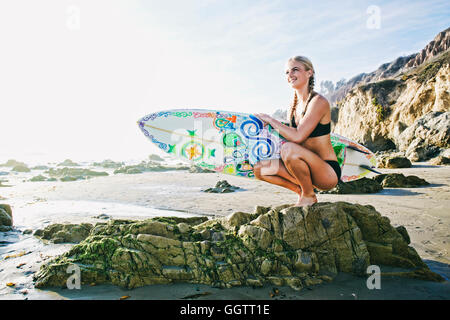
(304, 201)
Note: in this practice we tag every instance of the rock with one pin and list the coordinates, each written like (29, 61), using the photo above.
(196, 169)
(363, 185)
(103, 216)
(73, 174)
(38, 178)
(426, 136)
(408, 112)
(155, 157)
(61, 233)
(222, 186)
(292, 246)
(393, 162)
(133, 171)
(183, 227)
(148, 166)
(12, 163)
(6, 217)
(398, 180)
(40, 168)
(68, 163)
(440, 160)
(108, 164)
(27, 231)
(21, 168)
(5, 228)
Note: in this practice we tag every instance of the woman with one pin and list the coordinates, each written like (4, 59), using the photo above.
(307, 159)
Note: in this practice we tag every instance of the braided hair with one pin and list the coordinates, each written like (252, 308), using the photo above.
(308, 66)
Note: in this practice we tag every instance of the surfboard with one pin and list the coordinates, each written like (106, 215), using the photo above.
(232, 142)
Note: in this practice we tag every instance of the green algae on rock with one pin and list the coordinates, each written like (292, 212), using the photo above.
(282, 246)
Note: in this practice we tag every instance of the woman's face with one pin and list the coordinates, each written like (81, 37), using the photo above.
(296, 74)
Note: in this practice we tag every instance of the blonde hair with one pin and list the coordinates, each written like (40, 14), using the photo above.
(308, 66)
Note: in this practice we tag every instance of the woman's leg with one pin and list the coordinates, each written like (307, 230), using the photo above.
(309, 170)
(274, 171)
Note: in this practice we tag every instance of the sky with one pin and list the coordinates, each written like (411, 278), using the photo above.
(76, 75)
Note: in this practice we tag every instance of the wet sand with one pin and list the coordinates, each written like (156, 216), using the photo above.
(423, 211)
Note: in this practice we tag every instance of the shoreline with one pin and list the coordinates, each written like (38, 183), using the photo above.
(423, 211)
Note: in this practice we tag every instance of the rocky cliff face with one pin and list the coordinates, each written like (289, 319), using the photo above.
(409, 112)
(438, 45)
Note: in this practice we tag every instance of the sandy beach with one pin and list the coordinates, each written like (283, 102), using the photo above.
(423, 211)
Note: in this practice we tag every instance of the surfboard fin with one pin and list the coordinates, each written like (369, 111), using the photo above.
(356, 149)
(369, 168)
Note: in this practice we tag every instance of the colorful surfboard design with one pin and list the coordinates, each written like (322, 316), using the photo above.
(232, 142)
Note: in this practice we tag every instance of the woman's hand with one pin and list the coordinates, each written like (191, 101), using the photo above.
(264, 117)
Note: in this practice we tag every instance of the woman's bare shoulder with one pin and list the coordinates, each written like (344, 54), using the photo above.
(320, 103)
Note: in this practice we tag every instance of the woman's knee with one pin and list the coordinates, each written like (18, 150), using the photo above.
(290, 151)
(257, 170)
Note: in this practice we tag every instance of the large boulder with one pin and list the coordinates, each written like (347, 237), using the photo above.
(426, 137)
(281, 246)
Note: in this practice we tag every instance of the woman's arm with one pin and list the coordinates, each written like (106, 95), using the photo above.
(316, 110)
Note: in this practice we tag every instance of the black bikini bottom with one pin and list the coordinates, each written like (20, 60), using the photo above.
(336, 167)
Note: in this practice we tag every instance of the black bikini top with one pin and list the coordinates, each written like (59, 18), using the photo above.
(320, 129)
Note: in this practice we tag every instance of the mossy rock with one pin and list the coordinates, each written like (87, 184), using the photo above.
(281, 246)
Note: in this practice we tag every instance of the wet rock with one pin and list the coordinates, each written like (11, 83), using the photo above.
(398, 180)
(68, 163)
(103, 216)
(363, 185)
(27, 231)
(62, 233)
(283, 246)
(21, 168)
(392, 162)
(6, 218)
(222, 186)
(440, 160)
